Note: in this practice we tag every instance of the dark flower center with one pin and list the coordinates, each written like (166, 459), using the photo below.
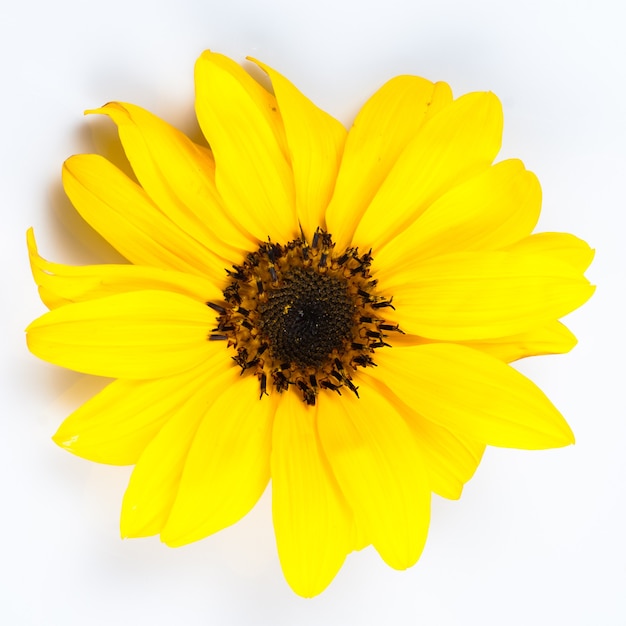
(300, 317)
(307, 318)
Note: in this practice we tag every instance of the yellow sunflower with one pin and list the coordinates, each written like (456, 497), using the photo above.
(334, 310)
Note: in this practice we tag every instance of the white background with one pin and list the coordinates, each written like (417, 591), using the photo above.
(538, 537)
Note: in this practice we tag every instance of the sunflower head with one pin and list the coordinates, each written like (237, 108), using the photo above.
(335, 310)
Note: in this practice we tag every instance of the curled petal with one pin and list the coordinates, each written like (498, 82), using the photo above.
(179, 176)
(63, 284)
(123, 213)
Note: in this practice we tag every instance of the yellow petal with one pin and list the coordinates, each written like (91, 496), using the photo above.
(315, 141)
(450, 460)
(243, 127)
(388, 121)
(228, 465)
(380, 471)
(153, 485)
(121, 211)
(63, 284)
(479, 295)
(489, 211)
(552, 338)
(119, 422)
(457, 143)
(474, 395)
(561, 246)
(179, 176)
(138, 335)
(312, 522)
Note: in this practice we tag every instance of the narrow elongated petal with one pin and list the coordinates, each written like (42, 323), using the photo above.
(562, 246)
(243, 127)
(138, 335)
(387, 122)
(551, 338)
(473, 394)
(228, 465)
(312, 521)
(119, 422)
(457, 143)
(492, 210)
(154, 483)
(121, 211)
(380, 470)
(63, 284)
(480, 295)
(179, 176)
(315, 141)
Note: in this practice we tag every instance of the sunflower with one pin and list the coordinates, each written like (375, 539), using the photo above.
(334, 310)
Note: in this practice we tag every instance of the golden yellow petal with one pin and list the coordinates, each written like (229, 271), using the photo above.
(450, 459)
(474, 395)
(136, 335)
(388, 121)
(315, 141)
(119, 422)
(63, 284)
(121, 211)
(452, 146)
(552, 338)
(489, 211)
(380, 470)
(228, 464)
(481, 295)
(242, 124)
(561, 246)
(312, 522)
(154, 483)
(179, 176)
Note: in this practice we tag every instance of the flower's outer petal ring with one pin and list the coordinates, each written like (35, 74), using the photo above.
(119, 422)
(457, 143)
(154, 483)
(228, 465)
(473, 394)
(136, 335)
(312, 522)
(483, 295)
(315, 141)
(121, 211)
(241, 122)
(450, 460)
(63, 284)
(380, 470)
(387, 122)
(492, 210)
(179, 176)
